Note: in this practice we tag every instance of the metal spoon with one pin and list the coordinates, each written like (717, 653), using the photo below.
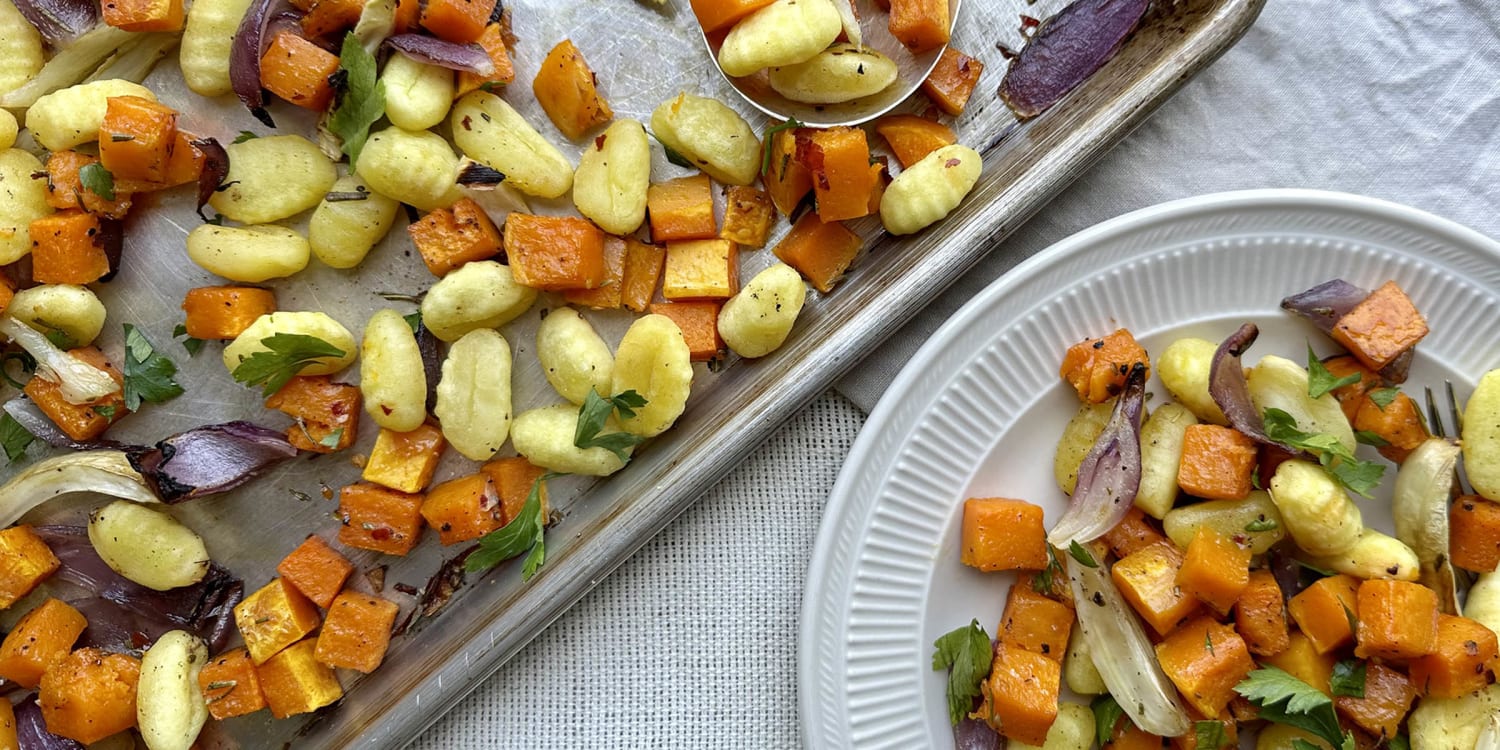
(912, 70)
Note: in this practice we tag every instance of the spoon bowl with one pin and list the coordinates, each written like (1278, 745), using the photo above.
(911, 69)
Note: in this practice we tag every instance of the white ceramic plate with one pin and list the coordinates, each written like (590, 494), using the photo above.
(978, 410)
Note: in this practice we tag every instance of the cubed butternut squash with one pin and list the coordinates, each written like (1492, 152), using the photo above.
(493, 42)
(65, 189)
(1382, 327)
(920, 25)
(1147, 578)
(1326, 611)
(25, 561)
(329, 18)
(1397, 620)
(1035, 623)
(681, 209)
(1399, 424)
(274, 617)
(912, 137)
(222, 313)
(231, 685)
(184, 166)
(820, 251)
(701, 270)
(1474, 533)
(450, 237)
(379, 519)
(295, 682)
(143, 15)
(1205, 660)
(326, 413)
(839, 163)
(8, 737)
(952, 81)
(79, 421)
(1351, 396)
(513, 478)
(458, 21)
(315, 569)
(67, 247)
(642, 274)
(554, 253)
(787, 178)
(1097, 368)
(463, 509)
(90, 695)
(1463, 659)
(568, 91)
(1215, 569)
(1217, 462)
(748, 214)
(699, 321)
(137, 135)
(610, 292)
(1132, 533)
(1021, 692)
(1229, 729)
(43, 637)
(405, 461)
(1260, 615)
(357, 632)
(1301, 659)
(1388, 698)
(1127, 736)
(297, 71)
(719, 15)
(1003, 534)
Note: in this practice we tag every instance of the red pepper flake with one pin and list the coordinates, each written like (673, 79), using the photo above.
(1029, 25)
(381, 534)
(952, 163)
(599, 143)
(466, 122)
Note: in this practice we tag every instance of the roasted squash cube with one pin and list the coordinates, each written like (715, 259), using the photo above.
(458, 21)
(912, 137)
(1382, 327)
(841, 175)
(554, 253)
(143, 15)
(90, 695)
(463, 509)
(379, 519)
(1326, 611)
(1132, 533)
(79, 421)
(184, 166)
(643, 265)
(699, 322)
(1301, 659)
(1462, 661)
(65, 190)
(295, 682)
(1021, 692)
(1097, 368)
(1147, 579)
(25, 561)
(68, 248)
(493, 42)
(1474, 526)
(569, 92)
(329, 17)
(748, 214)
(1397, 620)
(273, 618)
(315, 569)
(231, 685)
(1398, 423)
(137, 135)
(920, 25)
(952, 81)
(297, 70)
(1388, 697)
(326, 413)
(41, 639)
(719, 15)
(786, 178)
(222, 313)
(513, 478)
(1035, 623)
(701, 269)
(1205, 660)
(450, 237)
(1217, 462)
(1351, 396)
(610, 292)
(405, 461)
(1215, 569)
(357, 632)
(681, 209)
(1260, 615)
(820, 251)
(1003, 534)
(8, 736)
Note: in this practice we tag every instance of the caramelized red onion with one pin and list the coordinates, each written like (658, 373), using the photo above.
(31, 729)
(210, 459)
(215, 169)
(444, 54)
(257, 28)
(1231, 391)
(1325, 303)
(432, 363)
(1066, 50)
(60, 21)
(973, 734)
(1110, 474)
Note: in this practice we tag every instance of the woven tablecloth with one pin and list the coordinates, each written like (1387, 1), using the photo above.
(693, 642)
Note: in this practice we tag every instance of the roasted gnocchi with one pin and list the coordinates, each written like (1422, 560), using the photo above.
(206, 38)
(711, 136)
(614, 173)
(305, 323)
(1184, 368)
(929, 190)
(1319, 515)
(418, 169)
(417, 95)
(843, 72)
(391, 375)
(170, 708)
(253, 253)
(545, 437)
(482, 294)
(1481, 436)
(474, 394)
(575, 360)
(74, 311)
(70, 117)
(8, 129)
(273, 178)
(20, 48)
(147, 545)
(653, 360)
(1161, 455)
(487, 129)
(785, 32)
(23, 199)
(345, 227)
(757, 320)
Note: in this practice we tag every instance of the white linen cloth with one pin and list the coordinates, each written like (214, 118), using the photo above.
(693, 642)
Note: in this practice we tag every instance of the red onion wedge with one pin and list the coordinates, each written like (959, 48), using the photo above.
(1325, 303)
(973, 734)
(250, 42)
(215, 169)
(210, 459)
(433, 51)
(1131, 672)
(1066, 50)
(1111, 472)
(1231, 391)
(60, 21)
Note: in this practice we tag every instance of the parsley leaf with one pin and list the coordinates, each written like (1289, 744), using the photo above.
(1383, 396)
(331, 440)
(97, 180)
(1082, 555)
(966, 653)
(1107, 713)
(1399, 742)
(245, 135)
(13, 437)
(363, 101)
(1261, 524)
(524, 532)
(1210, 734)
(104, 410)
(593, 415)
(672, 155)
(284, 356)
(1365, 437)
(1348, 678)
(148, 374)
(1320, 380)
(192, 345)
(1044, 581)
(1284, 699)
(415, 321)
(1338, 461)
(765, 151)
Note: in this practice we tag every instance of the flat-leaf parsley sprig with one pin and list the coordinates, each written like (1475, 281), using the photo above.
(284, 356)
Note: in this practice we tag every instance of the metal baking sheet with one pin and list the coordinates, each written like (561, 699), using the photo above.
(644, 54)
